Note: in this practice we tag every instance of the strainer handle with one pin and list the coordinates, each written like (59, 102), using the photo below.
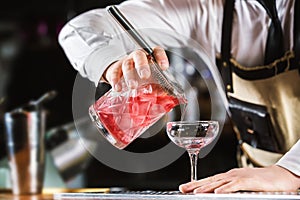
(127, 26)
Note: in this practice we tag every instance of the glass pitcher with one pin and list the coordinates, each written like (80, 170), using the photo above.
(123, 116)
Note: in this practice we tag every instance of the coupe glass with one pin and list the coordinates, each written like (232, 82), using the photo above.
(193, 136)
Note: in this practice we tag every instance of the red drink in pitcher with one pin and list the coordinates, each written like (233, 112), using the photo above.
(122, 119)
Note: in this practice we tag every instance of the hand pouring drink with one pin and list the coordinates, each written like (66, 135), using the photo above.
(123, 116)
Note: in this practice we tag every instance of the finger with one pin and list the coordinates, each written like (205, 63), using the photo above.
(161, 57)
(244, 184)
(210, 187)
(141, 64)
(188, 187)
(191, 186)
(113, 75)
(129, 73)
(232, 186)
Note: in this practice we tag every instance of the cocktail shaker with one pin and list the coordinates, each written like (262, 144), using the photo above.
(24, 134)
(25, 148)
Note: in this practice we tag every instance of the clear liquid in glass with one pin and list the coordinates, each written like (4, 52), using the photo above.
(193, 136)
(192, 143)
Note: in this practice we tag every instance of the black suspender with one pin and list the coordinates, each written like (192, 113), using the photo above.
(224, 63)
(297, 33)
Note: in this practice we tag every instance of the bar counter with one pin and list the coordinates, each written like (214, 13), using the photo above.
(48, 193)
(105, 194)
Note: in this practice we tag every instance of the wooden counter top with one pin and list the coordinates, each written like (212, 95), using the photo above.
(6, 194)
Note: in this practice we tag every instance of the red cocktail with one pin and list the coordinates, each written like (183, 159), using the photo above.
(121, 119)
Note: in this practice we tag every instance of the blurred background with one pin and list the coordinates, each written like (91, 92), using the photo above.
(32, 63)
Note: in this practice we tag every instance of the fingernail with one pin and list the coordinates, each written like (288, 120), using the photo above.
(164, 64)
(117, 87)
(132, 84)
(144, 73)
(182, 188)
(197, 191)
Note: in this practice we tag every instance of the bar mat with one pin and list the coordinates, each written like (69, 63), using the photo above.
(174, 195)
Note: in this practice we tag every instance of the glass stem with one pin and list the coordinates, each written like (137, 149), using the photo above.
(193, 158)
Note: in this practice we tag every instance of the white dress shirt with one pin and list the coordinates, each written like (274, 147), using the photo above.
(93, 40)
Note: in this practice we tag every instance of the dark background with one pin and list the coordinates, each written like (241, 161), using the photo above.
(32, 63)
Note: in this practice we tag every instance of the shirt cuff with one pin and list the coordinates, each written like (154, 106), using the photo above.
(291, 160)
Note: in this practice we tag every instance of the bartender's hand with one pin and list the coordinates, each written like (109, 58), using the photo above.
(135, 63)
(273, 178)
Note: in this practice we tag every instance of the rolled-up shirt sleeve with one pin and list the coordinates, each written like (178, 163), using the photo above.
(93, 40)
(89, 43)
(291, 160)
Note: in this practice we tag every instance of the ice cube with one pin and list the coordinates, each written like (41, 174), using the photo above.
(156, 109)
(125, 122)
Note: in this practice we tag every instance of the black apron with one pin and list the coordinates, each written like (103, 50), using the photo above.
(264, 101)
